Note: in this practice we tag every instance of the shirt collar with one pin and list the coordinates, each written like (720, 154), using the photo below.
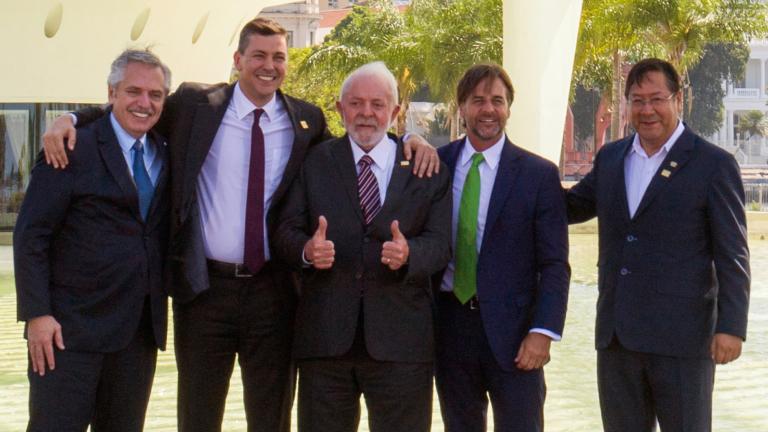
(666, 148)
(243, 106)
(125, 140)
(380, 153)
(491, 155)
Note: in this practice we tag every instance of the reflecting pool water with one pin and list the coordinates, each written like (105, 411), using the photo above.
(740, 402)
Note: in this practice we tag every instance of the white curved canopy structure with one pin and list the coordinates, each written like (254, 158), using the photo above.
(60, 51)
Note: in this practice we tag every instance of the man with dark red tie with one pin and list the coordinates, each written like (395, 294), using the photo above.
(366, 235)
(235, 149)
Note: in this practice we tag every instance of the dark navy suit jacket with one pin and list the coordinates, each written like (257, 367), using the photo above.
(82, 252)
(678, 271)
(522, 269)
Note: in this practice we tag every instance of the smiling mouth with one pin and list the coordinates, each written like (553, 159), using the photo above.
(266, 77)
(139, 114)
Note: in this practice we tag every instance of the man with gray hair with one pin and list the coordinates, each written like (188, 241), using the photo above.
(88, 249)
(366, 234)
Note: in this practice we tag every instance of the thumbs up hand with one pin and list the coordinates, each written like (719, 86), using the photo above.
(394, 254)
(318, 251)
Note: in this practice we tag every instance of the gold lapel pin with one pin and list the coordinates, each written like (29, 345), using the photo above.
(665, 173)
(673, 164)
(405, 163)
(304, 124)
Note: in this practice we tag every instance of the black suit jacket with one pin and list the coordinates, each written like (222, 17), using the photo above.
(81, 250)
(522, 268)
(191, 117)
(396, 305)
(678, 271)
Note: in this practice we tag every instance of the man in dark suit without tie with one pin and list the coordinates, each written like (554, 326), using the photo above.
(504, 295)
(366, 235)
(88, 252)
(673, 271)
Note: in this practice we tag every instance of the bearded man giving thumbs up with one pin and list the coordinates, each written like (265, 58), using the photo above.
(366, 235)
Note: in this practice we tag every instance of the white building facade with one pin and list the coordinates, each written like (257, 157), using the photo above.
(748, 94)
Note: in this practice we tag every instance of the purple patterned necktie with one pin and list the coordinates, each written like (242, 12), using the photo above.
(368, 190)
(253, 255)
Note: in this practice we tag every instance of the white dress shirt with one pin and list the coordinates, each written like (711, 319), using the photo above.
(383, 155)
(223, 181)
(153, 163)
(639, 168)
(488, 170)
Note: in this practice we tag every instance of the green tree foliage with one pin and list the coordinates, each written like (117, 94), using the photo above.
(719, 62)
(753, 123)
(312, 88)
(430, 44)
(616, 32)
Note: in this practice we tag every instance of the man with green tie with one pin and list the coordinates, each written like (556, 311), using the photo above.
(503, 297)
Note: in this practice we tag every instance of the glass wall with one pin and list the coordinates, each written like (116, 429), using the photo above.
(21, 128)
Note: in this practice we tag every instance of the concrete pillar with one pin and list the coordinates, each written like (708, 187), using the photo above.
(539, 47)
(729, 128)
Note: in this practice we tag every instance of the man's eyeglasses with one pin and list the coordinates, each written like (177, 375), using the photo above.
(655, 102)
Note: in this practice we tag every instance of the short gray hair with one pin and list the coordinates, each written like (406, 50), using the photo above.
(117, 70)
(375, 69)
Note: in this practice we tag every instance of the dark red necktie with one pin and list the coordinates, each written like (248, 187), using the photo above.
(253, 255)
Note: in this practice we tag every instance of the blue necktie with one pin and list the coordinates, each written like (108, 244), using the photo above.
(142, 180)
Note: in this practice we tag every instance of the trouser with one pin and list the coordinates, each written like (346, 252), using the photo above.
(248, 318)
(108, 391)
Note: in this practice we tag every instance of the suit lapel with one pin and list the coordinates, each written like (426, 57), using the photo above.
(206, 120)
(451, 155)
(397, 182)
(112, 155)
(618, 188)
(672, 163)
(344, 163)
(162, 178)
(301, 138)
(505, 180)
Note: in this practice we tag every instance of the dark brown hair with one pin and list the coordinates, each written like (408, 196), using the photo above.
(643, 67)
(260, 26)
(477, 74)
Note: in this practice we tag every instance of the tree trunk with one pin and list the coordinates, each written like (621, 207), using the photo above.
(602, 117)
(617, 131)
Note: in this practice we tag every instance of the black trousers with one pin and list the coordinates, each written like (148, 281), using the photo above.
(398, 395)
(250, 319)
(108, 391)
(638, 389)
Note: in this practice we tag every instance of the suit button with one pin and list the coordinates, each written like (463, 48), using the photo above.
(631, 238)
(624, 272)
(366, 239)
(358, 275)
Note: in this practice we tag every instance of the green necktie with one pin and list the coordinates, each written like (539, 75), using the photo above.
(465, 275)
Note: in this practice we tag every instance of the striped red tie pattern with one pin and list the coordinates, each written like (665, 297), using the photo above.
(368, 190)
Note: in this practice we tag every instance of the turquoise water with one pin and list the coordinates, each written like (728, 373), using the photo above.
(740, 402)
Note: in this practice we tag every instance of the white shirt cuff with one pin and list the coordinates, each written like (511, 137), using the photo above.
(304, 260)
(552, 335)
(74, 118)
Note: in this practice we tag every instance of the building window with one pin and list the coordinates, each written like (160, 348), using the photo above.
(289, 39)
(311, 38)
(333, 3)
(21, 127)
